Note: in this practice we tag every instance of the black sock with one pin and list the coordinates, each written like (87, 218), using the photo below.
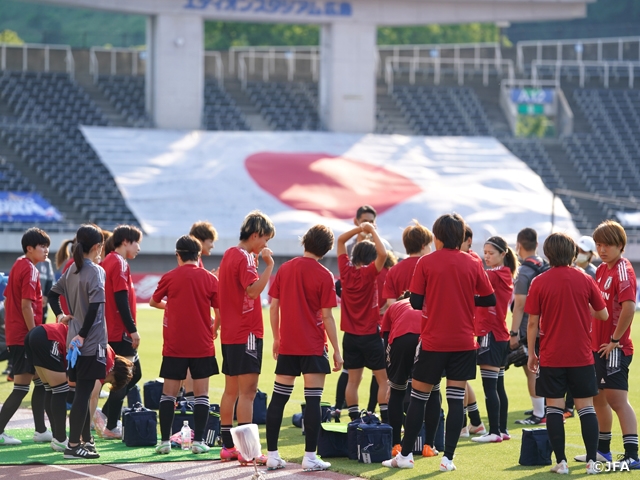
(341, 388)
(80, 410)
(373, 395)
(189, 397)
(166, 411)
(200, 417)
(630, 443)
(413, 422)
(490, 386)
(432, 416)
(225, 434)
(555, 428)
(568, 403)
(354, 412)
(384, 412)
(58, 417)
(455, 401)
(504, 402)
(312, 418)
(114, 407)
(464, 417)
(279, 399)
(37, 405)
(47, 403)
(589, 426)
(604, 442)
(396, 414)
(71, 394)
(474, 414)
(12, 403)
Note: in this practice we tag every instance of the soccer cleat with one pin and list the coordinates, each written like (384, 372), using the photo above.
(532, 420)
(600, 457)
(488, 438)
(114, 434)
(479, 430)
(164, 447)
(79, 452)
(464, 433)
(632, 463)
(261, 460)
(593, 468)
(399, 461)
(44, 437)
(505, 436)
(447, 465)
(314, 464)
(8, 440)
(429, 451)
(560, 468)
(275, 463)
(199, 447)
(9, 378)
(568, 414)
(396, 449)
(58, 446)
(528, 413)
(228, 454)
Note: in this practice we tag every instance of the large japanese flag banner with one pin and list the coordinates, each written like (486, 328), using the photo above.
(171, 179)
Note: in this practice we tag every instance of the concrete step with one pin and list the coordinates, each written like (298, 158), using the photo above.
(112, 115)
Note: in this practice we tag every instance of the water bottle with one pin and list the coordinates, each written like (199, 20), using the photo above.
(185, 436)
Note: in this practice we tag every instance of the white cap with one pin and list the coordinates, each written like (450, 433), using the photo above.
(586, 244)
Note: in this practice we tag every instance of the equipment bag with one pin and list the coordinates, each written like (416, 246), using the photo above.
(327, 413)
(438, 441)
(352, 433)
(152, 392)
(184, 412)
(333, 440)
(535, 448)
(259, 409)
(375, 441)
(140, 426)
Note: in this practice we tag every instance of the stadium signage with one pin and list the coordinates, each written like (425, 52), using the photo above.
(26, 207)
(536, 96)
(292, 8)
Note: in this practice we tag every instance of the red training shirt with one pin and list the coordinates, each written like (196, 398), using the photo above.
(57, 332)
(24, 283)
(359, 309)
(399, 278)
(402, 319)
(118, 279)
(493, 319)
(110, 363)
(304, 287)
(449, 280)
(617, 285)
(191, 292)
(240, 314)
(561, 296)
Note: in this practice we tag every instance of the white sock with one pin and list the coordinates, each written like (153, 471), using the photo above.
(273, 454)
(310, 455)
(538, 406)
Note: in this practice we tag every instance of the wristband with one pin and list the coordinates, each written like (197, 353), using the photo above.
(613, 340)
(62, 315)
(513, 334)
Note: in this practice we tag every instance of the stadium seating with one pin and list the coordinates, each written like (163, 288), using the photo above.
(126, 94)
(220, 111)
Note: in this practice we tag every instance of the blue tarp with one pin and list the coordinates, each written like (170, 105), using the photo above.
(26, 207)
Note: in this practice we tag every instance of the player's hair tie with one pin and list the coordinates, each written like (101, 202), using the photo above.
(500, 249)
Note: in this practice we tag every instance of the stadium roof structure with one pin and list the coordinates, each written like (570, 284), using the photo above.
(175, 41)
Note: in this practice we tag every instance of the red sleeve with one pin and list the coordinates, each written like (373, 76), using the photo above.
(386, 320)
(343, 264)
(214, 286)
(248, 273)
(274, 289)
(29, 284)
(595, 297)
(328, 297)
(118, 275)
(626, 283)
(532, 305)
(483, 285)
(161, 289)
(418, 280)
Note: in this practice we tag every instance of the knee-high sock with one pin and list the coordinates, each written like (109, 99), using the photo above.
(47, 403)
(354, 412)
(413, 422)
(225, 434)
(200, 417)
(341, 388)
(166, 410)
(12, 403)
(71, 394)
(555, 428)
(37, 405)
(80, 410)
(455, 401)
(373, 395)
(432, 416)
(58, 417)
(396, 413)
(630, 442)
(589, 427)
(604, 442)
(474, 414)
(312, 418)
(279, 399)
(492, 399)
(504, 402)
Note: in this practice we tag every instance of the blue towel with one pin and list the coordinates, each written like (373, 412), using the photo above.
(73, 353)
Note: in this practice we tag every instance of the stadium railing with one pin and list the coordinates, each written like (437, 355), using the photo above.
(581, 49)
(268, 59)
(137, 61)
(582, 67)
(46, 50)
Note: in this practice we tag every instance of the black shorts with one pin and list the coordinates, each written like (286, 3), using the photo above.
(613, 372)
(400, 357)
(295, 365)
(175, 368)
(88, 368)
(18, 359)
(360, 351)
(242, 358)
(124, 349)
(43, 352)
(429, 366)
(554, 382)
(491, 352)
